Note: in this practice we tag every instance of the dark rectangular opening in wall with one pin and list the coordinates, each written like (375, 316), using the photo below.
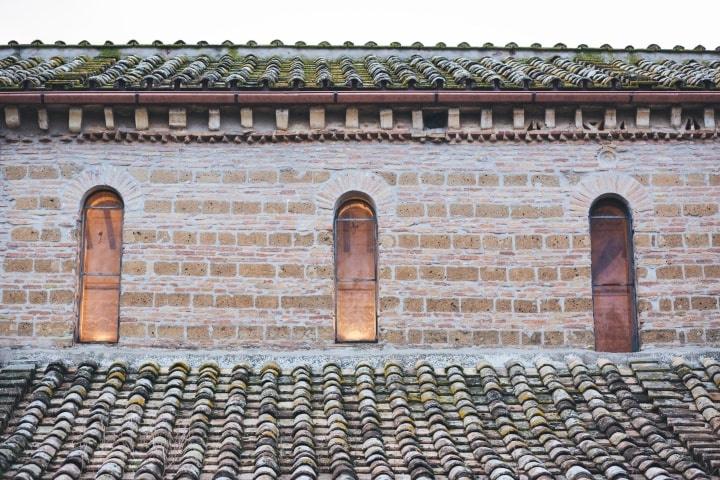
(435, 119)
(692, 118)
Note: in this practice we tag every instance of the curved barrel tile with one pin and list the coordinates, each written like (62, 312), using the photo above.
(158, 69)
(712, 368)
(645, 419)
(164, 72)
(192, 72)
(584, 439)
(405, 430)
(14, 383)
(153, 464)
(341, 462)
(232, 429)
(240, 73)
(493, 465)
(267, 464)
(33, 414)
(296, 75)
(672, 400)
(271, 75)
(194, 450)
(641, 458)
(112, 74)
(350, 73)
(115, 463)
(78, 458)
(540, 427)
(526, 461)
(323, 76)
(676, 456)
(378, 71)
(450, 459)
(304, 464)
(64, 423)
(373, 445)
(701, 396)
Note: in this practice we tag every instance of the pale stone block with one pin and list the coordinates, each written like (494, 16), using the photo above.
(142, 121)
(352, 117)
(75, 115)
(177, 118)
(317, 117)
(518, 118)
(109, 118)
(282, 118)
(386, 119)
(246, 117)
(676, 117)
(549, 118)
(454, 118)
(709, 118)
(214, 119)
(610, 118)
(578, 119)
(43, 120)
(486, 118)
(12, 116)
(642, 117)
(417, 120)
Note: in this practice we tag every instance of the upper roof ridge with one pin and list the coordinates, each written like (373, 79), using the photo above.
(653, 47)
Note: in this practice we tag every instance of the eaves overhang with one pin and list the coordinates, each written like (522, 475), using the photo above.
(428, 98)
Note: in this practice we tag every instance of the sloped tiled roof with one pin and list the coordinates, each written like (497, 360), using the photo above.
(540, 420)
(370, 67)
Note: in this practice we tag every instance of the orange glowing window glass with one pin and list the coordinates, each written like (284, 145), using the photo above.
(612, 277)
(355, 272)
(100, 268)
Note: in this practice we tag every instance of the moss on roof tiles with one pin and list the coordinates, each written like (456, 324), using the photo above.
(113, 66)
(574, 419)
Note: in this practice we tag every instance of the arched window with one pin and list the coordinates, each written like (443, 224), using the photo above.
(100, 267)
(613, 285)
(355, 271)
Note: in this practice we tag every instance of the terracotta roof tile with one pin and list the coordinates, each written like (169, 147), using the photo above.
(177, 66)
(230, 447)
(541, 421)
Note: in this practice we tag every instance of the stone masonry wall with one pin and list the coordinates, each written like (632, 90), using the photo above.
(480, 244)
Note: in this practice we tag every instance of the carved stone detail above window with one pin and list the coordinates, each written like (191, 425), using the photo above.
(607, 157)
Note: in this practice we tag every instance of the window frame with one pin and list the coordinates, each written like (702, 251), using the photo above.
(82, 223)
(346, 198)
(623, 204)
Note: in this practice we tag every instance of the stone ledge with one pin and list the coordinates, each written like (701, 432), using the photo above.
(375, 354)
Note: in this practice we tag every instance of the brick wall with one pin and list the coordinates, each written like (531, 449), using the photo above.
(480, 244)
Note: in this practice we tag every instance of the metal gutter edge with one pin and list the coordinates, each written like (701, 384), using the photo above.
(358, 97)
